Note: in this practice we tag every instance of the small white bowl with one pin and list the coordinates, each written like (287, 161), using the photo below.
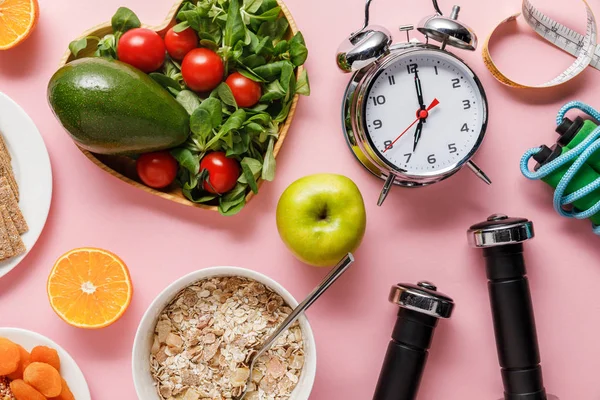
(142, 378)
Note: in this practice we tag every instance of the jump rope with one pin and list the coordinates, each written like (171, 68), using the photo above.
(572, 165)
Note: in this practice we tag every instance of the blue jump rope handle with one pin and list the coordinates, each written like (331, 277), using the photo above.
(578, 156)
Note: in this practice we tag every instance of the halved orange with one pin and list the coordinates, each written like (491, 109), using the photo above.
(89, 288)
(17, 20)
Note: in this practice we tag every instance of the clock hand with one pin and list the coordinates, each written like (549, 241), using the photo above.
(418, 134)
(419, 90)
(399, 136)
(421, 114)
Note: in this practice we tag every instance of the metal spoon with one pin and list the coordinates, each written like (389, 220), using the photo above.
(335, 273)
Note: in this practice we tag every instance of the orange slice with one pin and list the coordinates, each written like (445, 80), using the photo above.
(17, 20)
(89, 288)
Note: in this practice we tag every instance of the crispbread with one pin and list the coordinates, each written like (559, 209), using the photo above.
(7, 172)
(7, 199)
(6, 251)
(16, 243)
(4, 149)
(6, 166)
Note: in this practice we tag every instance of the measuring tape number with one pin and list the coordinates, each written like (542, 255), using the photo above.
(584, 47)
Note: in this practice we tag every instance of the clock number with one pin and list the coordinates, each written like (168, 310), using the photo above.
(465, 128)
(452, 148)
(412, 68)
(377, 100)
(466, 104)
(408, 156)
(455, 83)
(378, 124)
(392, 80)
(431, 159)
(388, 144)
(435, 69)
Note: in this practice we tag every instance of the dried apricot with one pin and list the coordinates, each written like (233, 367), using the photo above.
(44, 378)
(9, 357)
(23, 363)
(66, 393)
(23, 391)
(46, 355)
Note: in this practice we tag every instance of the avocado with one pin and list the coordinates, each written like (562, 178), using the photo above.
(110, 107)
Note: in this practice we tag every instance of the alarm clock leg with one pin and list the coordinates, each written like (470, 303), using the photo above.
(477, 171)
(386, 189)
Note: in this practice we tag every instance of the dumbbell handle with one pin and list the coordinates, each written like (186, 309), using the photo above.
(406, 356)
(401, 373)
(514, 323)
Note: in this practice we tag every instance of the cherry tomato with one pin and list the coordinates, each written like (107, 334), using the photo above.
(142, 48)
(202, 70)
(180, 43)
(245, 91)
(157, 170)
(223, 172)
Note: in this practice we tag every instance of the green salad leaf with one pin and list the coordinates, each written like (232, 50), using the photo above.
(77, 45)
(274, 30)
(107, 47)
(268, 170)
(186, 160)
(124, 20)
(189, 100)
(200, 123)
(214, 108)
(235, 29)
(298, 50)
(251, 6)
(273, 91)
(166, 82)
(226, 95)
(233, 201)
(303, 85)
(248, 174)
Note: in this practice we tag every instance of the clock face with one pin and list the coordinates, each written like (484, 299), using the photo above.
(425, 113)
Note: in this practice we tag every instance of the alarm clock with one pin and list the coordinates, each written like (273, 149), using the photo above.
(413, 113)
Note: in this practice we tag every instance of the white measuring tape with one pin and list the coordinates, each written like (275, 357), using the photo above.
(584, 47)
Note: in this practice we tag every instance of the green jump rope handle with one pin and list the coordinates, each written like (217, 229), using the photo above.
(573, 133)
(583, 177)
(572, 166)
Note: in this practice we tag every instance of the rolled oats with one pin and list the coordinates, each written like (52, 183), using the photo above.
(203, 339)
(5, 392)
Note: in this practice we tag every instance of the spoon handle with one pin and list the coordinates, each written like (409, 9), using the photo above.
(335, 273)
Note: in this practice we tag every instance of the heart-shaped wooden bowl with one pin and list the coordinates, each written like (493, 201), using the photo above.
(124, 167)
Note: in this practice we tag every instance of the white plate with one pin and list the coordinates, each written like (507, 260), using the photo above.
(33, 173)
(68, 367)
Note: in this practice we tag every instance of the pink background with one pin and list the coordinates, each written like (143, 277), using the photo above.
(418, 234)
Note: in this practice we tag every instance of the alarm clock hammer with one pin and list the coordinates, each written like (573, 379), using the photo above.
(380, 101)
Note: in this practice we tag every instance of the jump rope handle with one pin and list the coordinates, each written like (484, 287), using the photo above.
(571, 166)
(501, 239)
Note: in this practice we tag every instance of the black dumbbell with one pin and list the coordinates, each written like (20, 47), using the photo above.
(501, 239)
(420, 308)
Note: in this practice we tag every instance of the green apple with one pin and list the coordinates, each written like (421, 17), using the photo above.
(321, 218)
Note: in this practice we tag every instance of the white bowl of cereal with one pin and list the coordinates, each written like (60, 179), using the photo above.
(192, 343)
